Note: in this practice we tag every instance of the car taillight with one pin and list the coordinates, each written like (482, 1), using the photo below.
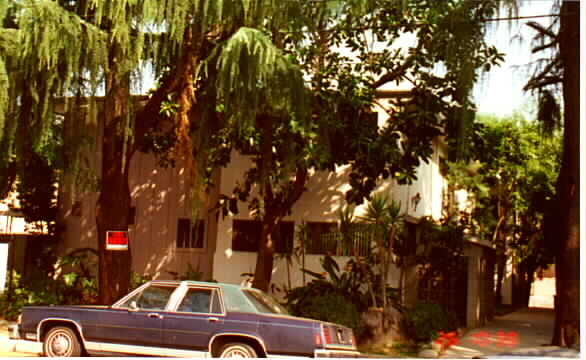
(327, 335)
(317, 339)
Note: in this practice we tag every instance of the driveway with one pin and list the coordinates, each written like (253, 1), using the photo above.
(523, 332)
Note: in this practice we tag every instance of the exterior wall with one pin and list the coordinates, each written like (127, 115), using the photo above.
(321, 201)
(14, 237)
(430, 184)
(428, 187)
(474, 287)
(11, 221)
(160, 196)
(507, 289)
(479, 291)
(542, 293)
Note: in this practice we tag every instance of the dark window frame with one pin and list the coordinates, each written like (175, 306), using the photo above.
(245, 235)
(190, 234)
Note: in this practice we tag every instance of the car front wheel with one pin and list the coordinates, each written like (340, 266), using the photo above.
(237, 350)
(61, 342)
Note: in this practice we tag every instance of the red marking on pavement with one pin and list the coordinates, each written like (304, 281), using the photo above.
(447, 339)
(509, 339)
(481, 338)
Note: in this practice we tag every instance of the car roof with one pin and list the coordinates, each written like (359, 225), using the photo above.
(201, 283)
(234, 298)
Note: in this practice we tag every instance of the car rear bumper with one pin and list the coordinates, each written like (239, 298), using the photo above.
(13, 333)
(18, 344)
(334, 353)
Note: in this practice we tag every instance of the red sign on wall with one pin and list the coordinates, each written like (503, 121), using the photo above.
(116, 240)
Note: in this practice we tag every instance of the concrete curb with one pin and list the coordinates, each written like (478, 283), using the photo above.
(7, 345)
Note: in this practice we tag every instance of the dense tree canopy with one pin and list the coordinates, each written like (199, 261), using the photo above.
(84, 48)
(290, 82)
(511, 178)
(348, 52)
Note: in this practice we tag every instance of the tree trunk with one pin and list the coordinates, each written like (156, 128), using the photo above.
(500, 239)
(522, 283)
(264, 260)
(113, 204)
(567, 304)
(277, 202)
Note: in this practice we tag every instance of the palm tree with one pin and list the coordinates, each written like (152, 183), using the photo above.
(383, 214)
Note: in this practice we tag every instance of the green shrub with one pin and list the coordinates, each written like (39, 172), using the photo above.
(70, 282)
(10, 305)
(339, 297)
(17, 295)
(332, 308)
(425, 320)
(347, 283)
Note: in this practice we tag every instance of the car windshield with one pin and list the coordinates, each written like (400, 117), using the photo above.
(265, 303)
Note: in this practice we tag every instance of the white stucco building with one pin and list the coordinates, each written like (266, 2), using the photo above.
(165, 240)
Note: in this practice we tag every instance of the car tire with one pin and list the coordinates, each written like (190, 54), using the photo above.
(61, 341)
(237, 350)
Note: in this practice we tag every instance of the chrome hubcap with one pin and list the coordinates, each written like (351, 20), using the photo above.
(60, 344)
(237, 353)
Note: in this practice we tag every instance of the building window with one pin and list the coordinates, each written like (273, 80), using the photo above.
(408, 244)
(246, 235)
(326, 239)
(190, 234)
(323, 238)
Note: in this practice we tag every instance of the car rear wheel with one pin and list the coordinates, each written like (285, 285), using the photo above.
(61, 342)
(237, 350)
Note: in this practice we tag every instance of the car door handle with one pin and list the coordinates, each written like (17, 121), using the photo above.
(213, 319)
(155, 316)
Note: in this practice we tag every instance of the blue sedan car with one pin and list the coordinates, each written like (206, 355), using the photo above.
(183, 319)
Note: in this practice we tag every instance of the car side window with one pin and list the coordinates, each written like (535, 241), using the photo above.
(153, 297)
(196, 301)
(216, 306)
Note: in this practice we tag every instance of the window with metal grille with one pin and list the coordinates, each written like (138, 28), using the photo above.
(246, 235)
(326, 239)
(190, 234)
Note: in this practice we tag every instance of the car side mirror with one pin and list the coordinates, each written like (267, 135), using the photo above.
(133, 306)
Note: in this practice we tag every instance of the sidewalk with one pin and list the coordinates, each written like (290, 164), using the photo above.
(526, 332)
(7, 346)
